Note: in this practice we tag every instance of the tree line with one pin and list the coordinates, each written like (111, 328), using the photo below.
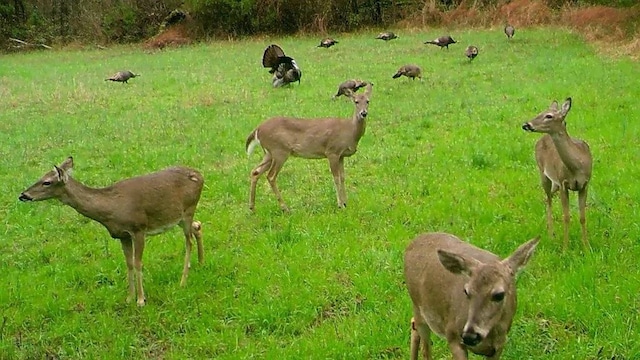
(107, 21)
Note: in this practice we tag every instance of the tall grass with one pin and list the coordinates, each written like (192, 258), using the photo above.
(444, 154)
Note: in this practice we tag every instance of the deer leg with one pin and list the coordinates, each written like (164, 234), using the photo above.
(127, 249)
(138, 250)
(458, 352)
(276, 166)
(566, 216)
(416, 339)
(186, 228)
(336, 164)
(547, 186)
(264, 165)
(582, 204)
(196, 231)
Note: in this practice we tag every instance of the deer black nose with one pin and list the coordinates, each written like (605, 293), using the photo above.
(471, 338)
(527, 127)
(24, 197)
(363, 113)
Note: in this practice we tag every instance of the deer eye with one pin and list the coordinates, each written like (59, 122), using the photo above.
(497, 297)
(548, 116)
(46, 183)
(466, 293)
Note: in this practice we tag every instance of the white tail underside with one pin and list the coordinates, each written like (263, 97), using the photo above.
(252, 145)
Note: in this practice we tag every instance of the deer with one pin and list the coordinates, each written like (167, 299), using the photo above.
(331, 138)
(462, 293)
(564, 164)
(130, 209)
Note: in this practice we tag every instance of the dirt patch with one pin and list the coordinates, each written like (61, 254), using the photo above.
(175, 35)
(525, 13)
(601, 22)
(615, 31)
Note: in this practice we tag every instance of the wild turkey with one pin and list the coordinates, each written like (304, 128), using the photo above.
(471, 52)
(122, 76)
(442, 41)
(509, 31)
(349, 87)
(327, 42)
(285, 70)
(386, 36)
(411, 71)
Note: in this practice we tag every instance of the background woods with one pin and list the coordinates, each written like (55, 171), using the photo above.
(106, 21)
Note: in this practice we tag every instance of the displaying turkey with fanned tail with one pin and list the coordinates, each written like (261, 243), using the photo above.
(285, 70)
(122, 76)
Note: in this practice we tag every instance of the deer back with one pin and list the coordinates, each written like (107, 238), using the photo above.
(314, 138)
(149, 203)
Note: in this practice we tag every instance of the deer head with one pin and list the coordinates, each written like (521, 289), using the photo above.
(550, 121)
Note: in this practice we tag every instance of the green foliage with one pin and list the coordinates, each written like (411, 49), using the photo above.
(443, 154)
(120, 24)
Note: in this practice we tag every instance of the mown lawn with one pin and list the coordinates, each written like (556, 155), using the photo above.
(445, 154)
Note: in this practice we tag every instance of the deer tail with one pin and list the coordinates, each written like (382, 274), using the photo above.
(252, 141)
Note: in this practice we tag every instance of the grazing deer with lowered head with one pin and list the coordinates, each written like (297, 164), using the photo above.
(564, 163)
(130, 209)
(462, 293)
(331, 138)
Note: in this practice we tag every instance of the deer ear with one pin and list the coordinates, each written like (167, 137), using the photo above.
(520, 257)
(67, 164)
(566, 106)
(63, 176)
(369, 88)
(554, 106)
(457, 264)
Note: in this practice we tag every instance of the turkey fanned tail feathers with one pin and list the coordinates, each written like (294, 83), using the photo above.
(285, 70)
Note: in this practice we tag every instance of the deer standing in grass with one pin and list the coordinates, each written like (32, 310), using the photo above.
(564, 163)
(462, 293)
(130, 209)
(331, 138)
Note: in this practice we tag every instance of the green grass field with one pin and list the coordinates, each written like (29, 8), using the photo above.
(445, 154)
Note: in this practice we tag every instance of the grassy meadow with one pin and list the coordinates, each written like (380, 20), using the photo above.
(445, 154)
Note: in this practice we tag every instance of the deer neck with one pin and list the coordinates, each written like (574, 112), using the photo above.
(359, 126)
(567, 149)
(90, 202)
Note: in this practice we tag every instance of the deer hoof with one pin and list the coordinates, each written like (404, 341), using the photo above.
(142, 302)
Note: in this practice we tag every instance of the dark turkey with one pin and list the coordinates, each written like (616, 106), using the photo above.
(386, 36)
(411, 71)
(442, 41)
(285, 70)
(349, 87)
(509, 31)
(122, 76)
(471, 52)
(327, 42)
